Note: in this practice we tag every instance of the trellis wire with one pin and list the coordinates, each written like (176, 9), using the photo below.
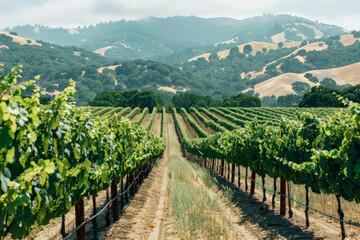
(300, 203)
(107, 204)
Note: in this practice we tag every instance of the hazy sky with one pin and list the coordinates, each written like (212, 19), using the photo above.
(72, 13)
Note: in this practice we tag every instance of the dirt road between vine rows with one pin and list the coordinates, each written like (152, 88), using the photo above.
(148, 216)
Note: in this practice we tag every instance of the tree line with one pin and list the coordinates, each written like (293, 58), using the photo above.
(144, 98)
(318, 96)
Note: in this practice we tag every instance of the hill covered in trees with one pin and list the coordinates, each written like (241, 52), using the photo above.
(255, 51)
(175, 39)
(93, 73)
(247, 66)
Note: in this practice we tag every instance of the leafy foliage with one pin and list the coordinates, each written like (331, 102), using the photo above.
(325, 97)
(132, 99)
(242, 100)
(321, 153)
(311, 78)
(52, 156)
(300, 87)
(290, 100)
(188, 100)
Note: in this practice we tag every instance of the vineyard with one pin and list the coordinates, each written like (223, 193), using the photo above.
(316, 148)
(56, 157)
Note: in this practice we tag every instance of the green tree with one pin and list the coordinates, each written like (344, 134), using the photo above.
(300, 87)
(248, 49)
(321, 97)
(329, 83)
(290, 100)
(242, 100)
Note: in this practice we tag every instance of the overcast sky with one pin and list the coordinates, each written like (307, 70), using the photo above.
(72, 13)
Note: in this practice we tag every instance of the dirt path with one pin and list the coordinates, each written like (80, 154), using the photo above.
(225, 208)
(146, 217)
(207, 129)
(156, 126)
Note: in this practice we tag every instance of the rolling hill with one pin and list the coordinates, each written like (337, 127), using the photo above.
(92, 72)
(282, 85)
(218, 57)
(247, 65)
(267, 28)
(175, 39)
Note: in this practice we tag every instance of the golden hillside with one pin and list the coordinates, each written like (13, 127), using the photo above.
(281, 85)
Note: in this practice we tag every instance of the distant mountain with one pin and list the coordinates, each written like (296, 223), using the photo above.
(93, 73)
(147, 38)
(266, 28)
(176, 39)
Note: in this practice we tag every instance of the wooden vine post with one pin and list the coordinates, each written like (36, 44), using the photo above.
(115, 203)
(282, 191)
(341, 214)
(264, 190)
(94, 212)
(307, 204)
(252, 186)
(149, 166)
(282, 197)
(141, 175)
(228, 171)
(246, 179)
(289, 201)
(122, 193)
(126, 188)
(62, 230)
(80, 218)
(232, 173)
(218, 164)
(239, 180)
(132, 188)
(222, 167)
(107, 215)
(274, 195)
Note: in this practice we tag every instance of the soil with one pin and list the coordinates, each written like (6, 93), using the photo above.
(188, 126)
(136, 117)
(148, 214)
(156, 126)
(207, 129)
(145, 119)
(222, 118)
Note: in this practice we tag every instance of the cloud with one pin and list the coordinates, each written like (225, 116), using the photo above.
(86, 12)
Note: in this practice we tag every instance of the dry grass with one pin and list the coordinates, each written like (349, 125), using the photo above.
(281, 85)
(321, 202)
(173, 89)
(100, 70)
(21, 40)
(348, 39)
(102, 51)
(205, 56)
(280, 37)
(197, 213)
(233, 40)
